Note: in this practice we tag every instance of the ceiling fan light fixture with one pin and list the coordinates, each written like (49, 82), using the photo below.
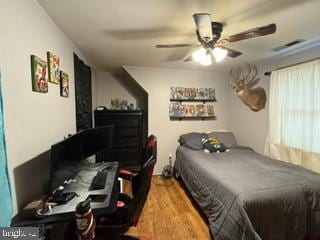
(206, 61)
(219, 53)
(199, 54)
(202, 56)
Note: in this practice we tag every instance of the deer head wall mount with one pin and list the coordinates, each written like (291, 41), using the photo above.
(243, 81)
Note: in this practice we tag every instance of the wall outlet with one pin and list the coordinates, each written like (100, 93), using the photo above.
(170, 159)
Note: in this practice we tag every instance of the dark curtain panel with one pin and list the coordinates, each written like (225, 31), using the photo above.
(83, 94)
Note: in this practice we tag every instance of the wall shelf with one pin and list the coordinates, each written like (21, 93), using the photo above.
(190, 104)
(191, 108)
(193, 100)
(193, 118)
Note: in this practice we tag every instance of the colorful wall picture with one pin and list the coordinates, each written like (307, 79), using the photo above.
(191, 110)
(64, 84)
(39, 74)
(182, 93)
(53, 68)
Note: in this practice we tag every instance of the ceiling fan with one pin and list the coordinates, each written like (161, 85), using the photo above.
(211, 43)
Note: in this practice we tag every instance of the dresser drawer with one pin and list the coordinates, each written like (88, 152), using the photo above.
(120, 141)
(126, 132)
(118, 122)
(128, 140)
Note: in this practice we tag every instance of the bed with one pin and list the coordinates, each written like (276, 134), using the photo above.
(246, 195)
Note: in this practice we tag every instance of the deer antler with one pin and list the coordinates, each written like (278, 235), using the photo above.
(255, 72)
(235, 73)
(251, 74)
(244, 79)
(248, 72)
(243, 76)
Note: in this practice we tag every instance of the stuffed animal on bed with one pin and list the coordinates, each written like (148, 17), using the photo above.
(213, 145)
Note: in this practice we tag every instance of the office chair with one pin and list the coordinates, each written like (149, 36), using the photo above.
(129, 209)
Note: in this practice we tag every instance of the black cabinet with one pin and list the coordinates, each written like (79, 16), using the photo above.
(128, 136)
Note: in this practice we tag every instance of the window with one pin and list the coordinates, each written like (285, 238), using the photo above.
(294, 115)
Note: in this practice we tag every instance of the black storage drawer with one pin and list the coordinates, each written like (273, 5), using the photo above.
(119, 122)
(127, 141)
(119, 141)
(126, 132)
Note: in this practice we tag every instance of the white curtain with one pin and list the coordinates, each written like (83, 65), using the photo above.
(294, 115)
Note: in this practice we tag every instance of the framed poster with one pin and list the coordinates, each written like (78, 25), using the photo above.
(64, 84)
(39, 74)
(53, 68)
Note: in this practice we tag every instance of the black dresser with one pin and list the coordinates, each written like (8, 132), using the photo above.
(128, 136)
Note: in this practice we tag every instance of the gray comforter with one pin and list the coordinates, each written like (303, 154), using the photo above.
(246, 195)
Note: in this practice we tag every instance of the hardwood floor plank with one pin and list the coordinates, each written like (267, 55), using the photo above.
(170, 214)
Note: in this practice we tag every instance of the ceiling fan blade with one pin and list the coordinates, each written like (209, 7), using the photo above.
(188, 59)
(177, 54)
(232, 53)
(203, 24)
(174, 45)
(252, 33)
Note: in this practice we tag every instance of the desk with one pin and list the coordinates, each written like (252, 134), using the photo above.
(66, 212)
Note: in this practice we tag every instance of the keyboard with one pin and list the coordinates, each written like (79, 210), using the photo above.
(99, 181)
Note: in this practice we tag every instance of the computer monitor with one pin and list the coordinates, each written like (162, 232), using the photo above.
(68, 155)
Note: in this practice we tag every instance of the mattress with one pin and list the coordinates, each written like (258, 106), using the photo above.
(246, 195)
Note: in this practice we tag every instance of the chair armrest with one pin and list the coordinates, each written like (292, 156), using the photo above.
(127, 174)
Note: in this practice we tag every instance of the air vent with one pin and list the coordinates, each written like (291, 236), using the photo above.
(290, 44)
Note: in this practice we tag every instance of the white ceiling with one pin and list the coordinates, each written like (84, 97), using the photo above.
(123, 32)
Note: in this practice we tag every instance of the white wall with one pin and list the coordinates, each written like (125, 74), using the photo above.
(33, 121)
(250, 128)
(107, 88)
(157, 83)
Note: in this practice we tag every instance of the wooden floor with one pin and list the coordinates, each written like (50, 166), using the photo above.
(170, 214)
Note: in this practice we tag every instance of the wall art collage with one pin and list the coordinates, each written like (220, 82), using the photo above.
(43, 72)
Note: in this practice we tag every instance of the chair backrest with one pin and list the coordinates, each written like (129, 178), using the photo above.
(142, 182)
(129, 215)
(150, 148)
